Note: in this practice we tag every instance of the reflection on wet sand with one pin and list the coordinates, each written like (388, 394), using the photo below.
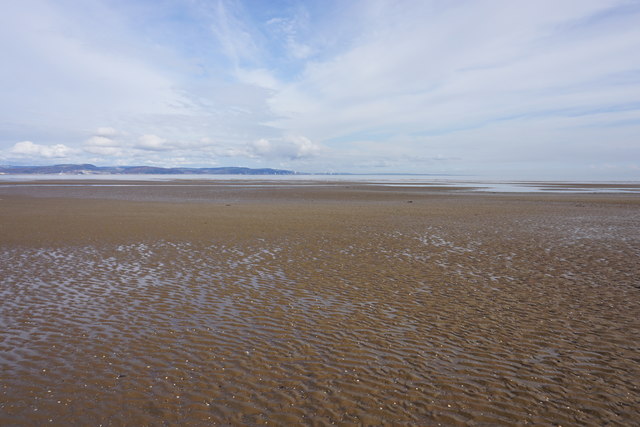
(452, 309)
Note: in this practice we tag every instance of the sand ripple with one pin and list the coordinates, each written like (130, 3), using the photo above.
(527, 321)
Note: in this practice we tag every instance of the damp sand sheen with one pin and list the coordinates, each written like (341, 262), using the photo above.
(317, 305)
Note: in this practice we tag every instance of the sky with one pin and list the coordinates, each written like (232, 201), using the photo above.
(512, 88)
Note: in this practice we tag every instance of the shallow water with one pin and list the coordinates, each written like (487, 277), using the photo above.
(433, 182)
(514, 320)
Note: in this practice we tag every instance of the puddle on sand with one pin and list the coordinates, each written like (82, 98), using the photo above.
(427, 324)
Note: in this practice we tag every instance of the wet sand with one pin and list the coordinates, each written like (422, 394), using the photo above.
(317, 304)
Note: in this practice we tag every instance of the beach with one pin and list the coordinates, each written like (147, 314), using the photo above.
(199, 303)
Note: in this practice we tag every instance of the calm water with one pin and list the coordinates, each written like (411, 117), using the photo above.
(465, 182)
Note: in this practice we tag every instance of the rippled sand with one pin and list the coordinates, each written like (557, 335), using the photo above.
(345, 305)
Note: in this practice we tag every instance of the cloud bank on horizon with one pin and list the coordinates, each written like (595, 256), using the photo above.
(541, 89)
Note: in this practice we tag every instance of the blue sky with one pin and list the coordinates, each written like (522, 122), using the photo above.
(513, 89)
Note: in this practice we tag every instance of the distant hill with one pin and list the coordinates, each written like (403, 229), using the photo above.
(87, 169)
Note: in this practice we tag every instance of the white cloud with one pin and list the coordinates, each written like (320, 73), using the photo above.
(57, 54)
(101, 141)
(261, 147)
(403, 86)
(106, 131)
(233, 33)
(291, 147)
(289, 30)
(258, 77)
(29, 149)
(299, 50)
(153, 143)
(433, 67)
(104, 143)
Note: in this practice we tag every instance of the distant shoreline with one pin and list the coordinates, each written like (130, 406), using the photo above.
(90, 170)
(395, 183)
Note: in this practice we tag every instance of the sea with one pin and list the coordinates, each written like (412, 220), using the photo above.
(456, 182)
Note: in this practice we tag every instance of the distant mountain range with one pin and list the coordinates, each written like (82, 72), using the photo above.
(88, 169)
